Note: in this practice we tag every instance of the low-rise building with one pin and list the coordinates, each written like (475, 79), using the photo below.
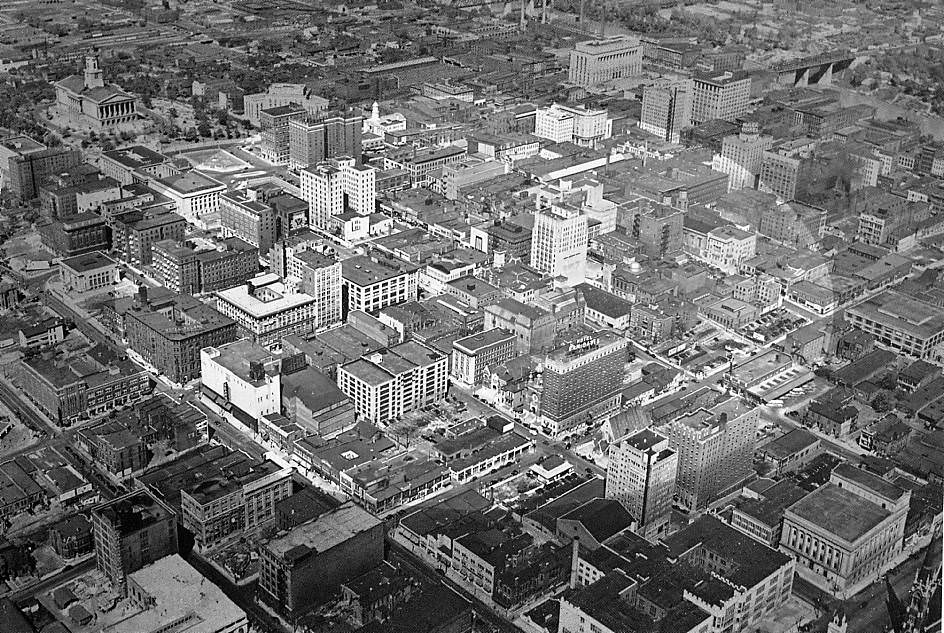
(847, 533)
(370, 284)
(85, 273)
(196, 197)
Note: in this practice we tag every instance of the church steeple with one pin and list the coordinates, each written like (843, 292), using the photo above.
(93, 74)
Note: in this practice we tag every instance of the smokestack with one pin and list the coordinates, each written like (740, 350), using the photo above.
(575, 562)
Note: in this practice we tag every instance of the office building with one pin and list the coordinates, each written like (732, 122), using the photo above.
(268, 309)
(722, 247)
(25, 164)
(168, 332)
(275, 131)
(742, 157)
(902, 324)
(715, 448)
(559, 243)
(848, 532)
(337, 186)
(261, 216)
(473, 355)
(316, 141)
(598, 61)
(581, 382)
(132, 531)
(666, 109)
(566, 124)
(300, 569)
(169, 594)
(641, 475)
(388, 383)
(371, 283)
(320, 277)
(76, 235)
(193, 268)
(196, 197)
(723, 96)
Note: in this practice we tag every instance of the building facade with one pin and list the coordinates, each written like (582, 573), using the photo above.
(641, 475)
(666, 109)
(559, 243)
(473, 355)
(723, 96)
(598, 61)
(268, 309)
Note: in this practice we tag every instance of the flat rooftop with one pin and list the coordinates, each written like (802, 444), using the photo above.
(179, 590)
(191, 182)
(473, 344)
(365, 271)
(789, 443)
(839, 512)
(89, 261)
(269, 299)
(899, 312)
(324, 532)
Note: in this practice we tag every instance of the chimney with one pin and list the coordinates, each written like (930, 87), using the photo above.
(256, 370)
(575, 562)
(142, 294)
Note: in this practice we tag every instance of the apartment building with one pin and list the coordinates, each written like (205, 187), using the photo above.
(388, 383)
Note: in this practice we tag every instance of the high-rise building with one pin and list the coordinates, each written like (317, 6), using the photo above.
(282, 94)
(275, 131)
(742, 157)
(715, 448)
(720, 96)
(268, 309)
(315, 141)
(130, 532)
(320, 277)
(559, 243)
(598, 61)
(332, 188)
(372, 283)
(582, 380)
(641, 475)
(667, 109)
(473, 355)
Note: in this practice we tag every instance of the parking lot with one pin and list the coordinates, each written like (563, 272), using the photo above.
(773, 325)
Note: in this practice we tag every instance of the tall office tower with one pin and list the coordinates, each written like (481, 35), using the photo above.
(315, 141)
(559, 243)
(742, 157)
(715, 448)
(667, 109)
(598, 61)
(641, 475)
(332, 188)
(275, 131)
(130, 532)
(720, 96)
(582, 381)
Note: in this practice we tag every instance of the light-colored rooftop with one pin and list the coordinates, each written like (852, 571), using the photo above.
(327, 531)
(179, 591)
(273, 298)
